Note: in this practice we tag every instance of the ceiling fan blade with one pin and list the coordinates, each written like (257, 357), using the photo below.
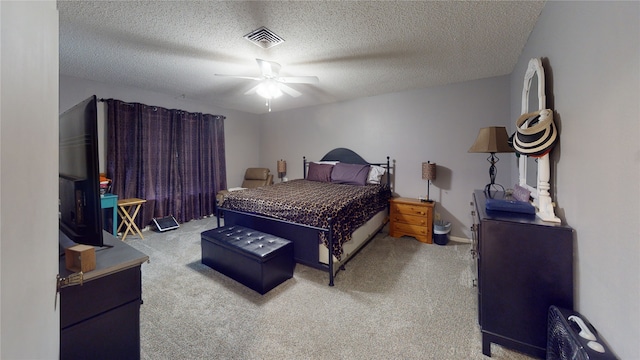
(299, 79)
(252, 91)
(239, 77)
(289, 90)
(269, 69)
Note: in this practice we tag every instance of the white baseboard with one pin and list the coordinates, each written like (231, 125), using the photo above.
(460, 239)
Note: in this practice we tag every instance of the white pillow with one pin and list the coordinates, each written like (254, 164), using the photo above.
(326, 162)
(236, 189)
(375, 174)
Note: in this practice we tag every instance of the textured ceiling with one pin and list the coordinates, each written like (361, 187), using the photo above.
(356, 49)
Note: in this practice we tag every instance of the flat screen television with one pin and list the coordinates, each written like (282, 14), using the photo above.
(80, 209)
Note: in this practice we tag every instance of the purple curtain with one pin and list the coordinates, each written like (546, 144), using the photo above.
(173, 159)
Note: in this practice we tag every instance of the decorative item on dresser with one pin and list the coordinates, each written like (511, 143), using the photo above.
(411, 217)
(492, 140)
(524, 265)
(429, 174)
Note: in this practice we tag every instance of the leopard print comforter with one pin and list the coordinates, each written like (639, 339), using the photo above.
(313, 203)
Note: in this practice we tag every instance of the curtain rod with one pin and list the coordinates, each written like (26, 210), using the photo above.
(124, 102)
(156, 107)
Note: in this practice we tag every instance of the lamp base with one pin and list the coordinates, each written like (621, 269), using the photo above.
(497, 187)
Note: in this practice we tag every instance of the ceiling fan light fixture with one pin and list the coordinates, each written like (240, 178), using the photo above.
(269, 89)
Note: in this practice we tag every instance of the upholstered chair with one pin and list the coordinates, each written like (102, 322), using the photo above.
(253, 178)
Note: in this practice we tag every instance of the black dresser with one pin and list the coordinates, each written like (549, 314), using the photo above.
(100, 319)
(524, 265)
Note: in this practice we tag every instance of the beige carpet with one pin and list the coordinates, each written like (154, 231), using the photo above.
(397, 299)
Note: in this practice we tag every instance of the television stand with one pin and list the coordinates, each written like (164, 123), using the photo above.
(100, 319)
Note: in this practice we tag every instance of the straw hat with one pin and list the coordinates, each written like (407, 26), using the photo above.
(536, 133)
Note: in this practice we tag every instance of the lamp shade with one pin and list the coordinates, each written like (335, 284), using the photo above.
(282, 166)
(428, 171)
(492, 139)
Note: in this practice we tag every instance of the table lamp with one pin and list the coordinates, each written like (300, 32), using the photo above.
(282, 169)
(429, 174)
(492, 140)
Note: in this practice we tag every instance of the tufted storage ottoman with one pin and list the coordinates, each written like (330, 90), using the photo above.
(258, 260)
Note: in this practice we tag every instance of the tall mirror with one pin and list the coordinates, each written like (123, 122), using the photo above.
(531, 168)
(534, 173)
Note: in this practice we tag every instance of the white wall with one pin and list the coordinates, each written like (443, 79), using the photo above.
(242, 137)
(29, 322)
(437, 124)
(592, 50)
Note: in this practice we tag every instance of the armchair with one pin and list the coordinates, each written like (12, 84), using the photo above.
(253, 178)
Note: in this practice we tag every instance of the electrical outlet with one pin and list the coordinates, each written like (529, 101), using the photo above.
(437, 216)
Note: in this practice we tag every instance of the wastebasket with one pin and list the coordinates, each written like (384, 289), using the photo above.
(441, 230)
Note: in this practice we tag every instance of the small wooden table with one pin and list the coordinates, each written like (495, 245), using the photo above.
(128, 210)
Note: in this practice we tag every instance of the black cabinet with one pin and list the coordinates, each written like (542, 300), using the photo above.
(524, 265)
(100, 319)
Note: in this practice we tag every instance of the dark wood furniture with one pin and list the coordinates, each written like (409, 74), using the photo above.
(100, 319)
(411, 217)
(524, 266)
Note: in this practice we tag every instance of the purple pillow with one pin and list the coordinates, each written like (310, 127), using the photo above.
(319, 172)
(352, 174)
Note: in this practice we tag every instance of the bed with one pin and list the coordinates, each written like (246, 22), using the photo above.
(331, 207)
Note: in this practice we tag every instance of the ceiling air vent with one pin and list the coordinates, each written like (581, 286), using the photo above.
(264, 38)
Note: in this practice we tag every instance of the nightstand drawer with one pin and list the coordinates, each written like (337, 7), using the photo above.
(409, 209)
(411, 219)
(411, 229)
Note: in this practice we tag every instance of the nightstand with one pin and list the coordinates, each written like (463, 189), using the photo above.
(411, 217)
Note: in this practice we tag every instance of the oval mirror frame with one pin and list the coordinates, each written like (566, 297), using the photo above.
(540, 193)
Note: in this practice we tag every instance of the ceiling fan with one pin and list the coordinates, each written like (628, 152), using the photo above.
(271, 85)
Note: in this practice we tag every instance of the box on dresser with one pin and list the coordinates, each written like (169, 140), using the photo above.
(80, 258)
